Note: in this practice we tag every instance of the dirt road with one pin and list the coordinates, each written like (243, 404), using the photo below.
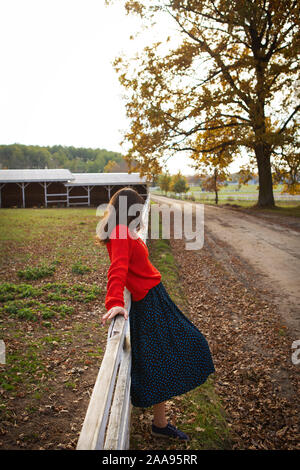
(269, 248)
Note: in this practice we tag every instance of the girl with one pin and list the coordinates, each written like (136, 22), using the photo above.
(169, 354)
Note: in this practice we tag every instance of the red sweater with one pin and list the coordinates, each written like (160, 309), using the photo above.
(130, 267)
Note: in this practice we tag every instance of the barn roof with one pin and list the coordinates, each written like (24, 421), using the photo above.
(70, 179)
(97, 179)
(16, 176)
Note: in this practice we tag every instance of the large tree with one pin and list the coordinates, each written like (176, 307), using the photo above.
(164, 182)
(226, 87)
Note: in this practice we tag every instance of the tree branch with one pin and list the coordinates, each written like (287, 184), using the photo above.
(220, 146)
(288, 120)
(218, 60)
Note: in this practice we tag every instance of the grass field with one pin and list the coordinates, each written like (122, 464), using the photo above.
(244, 189)
(52, 289)
(246, 198)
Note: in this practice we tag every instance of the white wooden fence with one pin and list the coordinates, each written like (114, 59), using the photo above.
(107, 422)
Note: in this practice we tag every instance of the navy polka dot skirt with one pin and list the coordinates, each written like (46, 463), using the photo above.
(169, 355)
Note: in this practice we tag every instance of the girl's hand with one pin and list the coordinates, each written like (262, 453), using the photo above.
(113, 312)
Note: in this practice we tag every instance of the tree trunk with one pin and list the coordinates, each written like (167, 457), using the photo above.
(216, 198)
(265, 196)
(216, 187)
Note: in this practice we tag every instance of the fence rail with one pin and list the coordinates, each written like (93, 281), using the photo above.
(107, 422)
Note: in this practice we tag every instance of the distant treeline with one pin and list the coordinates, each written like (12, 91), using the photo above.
(78, 160)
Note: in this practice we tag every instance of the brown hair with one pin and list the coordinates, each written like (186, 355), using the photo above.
(107, 223)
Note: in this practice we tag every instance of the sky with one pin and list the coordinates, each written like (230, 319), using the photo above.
(57, 82)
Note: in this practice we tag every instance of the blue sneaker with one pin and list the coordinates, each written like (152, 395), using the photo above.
(169, 431)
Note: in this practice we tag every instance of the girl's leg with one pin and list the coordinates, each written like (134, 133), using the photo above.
(159, 412)
(160, 421)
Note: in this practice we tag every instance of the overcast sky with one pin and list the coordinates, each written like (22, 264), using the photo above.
(57, 83)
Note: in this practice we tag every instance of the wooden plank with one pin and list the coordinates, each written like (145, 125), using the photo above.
(77, 203)
(118, 422)
(116, 431)
(125, 440)
(1, 186)
(58, 200)
(93, 429)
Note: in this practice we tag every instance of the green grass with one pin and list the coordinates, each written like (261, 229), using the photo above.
(163, 259)
(244, 189)
(23, 368)
(20, 300)
(11, 291)
(283, 207)
(37, 272)
(226, 191)
(46, 311)
(96, 353)
(29, 224)
(51, 291)
(80, 268)
(207, 427)
(33, 310)
(63, 235)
